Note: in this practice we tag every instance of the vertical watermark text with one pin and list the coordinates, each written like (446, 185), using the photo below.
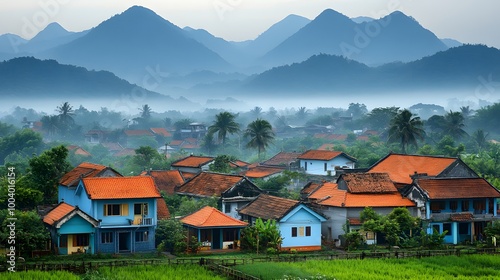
(11, 219)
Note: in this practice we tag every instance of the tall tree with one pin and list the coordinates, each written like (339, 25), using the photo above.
(406, 129)
(224, 123)
(454, 125)
(50, 124)
(261, 135)
(66, 114)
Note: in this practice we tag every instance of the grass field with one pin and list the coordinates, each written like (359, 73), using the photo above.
(449, 267)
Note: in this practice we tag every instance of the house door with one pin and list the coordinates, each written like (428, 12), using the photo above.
(123, 241)
(216, 239)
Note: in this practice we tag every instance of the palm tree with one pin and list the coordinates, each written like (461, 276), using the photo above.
(224, 123)
(406, 128)
(145, 112)
(66, 114)
(50, 124)
(480, 137)
(454, 124)
(261, 135)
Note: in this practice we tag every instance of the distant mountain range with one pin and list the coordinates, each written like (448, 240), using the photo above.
(32, 78)
(457, 68)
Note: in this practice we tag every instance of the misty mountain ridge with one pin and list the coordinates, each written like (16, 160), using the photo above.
(395, 37)
(31, 78)
(456, 68)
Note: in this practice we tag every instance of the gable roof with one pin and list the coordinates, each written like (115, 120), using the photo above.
(192, 161)
(209, 184)
(368, 182)
(79, 151)
(282, 159)
(165, 180)
(400, 167)
(120, 187)
(211, 217)
(63, 212)
(162, 209)
(323, 155)
(330, 195)
(84, 169)
(238, 163)
(261, 171)
(268, 207)
(161, 131)
(309, 188)
(449, 188)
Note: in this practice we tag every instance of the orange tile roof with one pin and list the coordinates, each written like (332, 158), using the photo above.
(323, 155)
(400, 167)
(447, 188)
(59, 212)
(161, 131)
(188, 175)
(261, 172)
(268, 207)
(138, 132)
(162, 209)
(77, 150)
(238, 163)
(282, 159)
(211, 217)
(330, 195)
(209, 184)
(309, 188)
(121, 187)
(166, 180)
(340, 137)
(175, 143)
(368, 182)
(192, 161)
(84, 169)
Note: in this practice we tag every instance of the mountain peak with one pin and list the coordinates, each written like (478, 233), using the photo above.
(50, 32)
(329, 13)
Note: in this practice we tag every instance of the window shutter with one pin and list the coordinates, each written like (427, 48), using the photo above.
(105, 210)
(124, 210)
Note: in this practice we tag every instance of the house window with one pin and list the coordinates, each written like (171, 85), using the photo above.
(453, 206)
(479, 206)
(141, 209)
(228, 235)
(80, 240)
(141, 236)
(106, 237)
(436, 228)
(227, 209)
(115, 209)
(294, 232)
(308, 231)
(465, 205)
(305, 165)
(63, 241)
(325, 166)
(463, 228)
(447, 227)
(437, 206)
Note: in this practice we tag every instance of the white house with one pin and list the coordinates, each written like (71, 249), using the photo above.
(320, 162)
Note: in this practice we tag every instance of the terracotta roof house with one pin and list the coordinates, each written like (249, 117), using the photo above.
(70, 180)
(112, 146)
(95, 136)
(299, 225)
(78, 151)
(126, 208)
(351, 194)
(460, 206)
(321, 162)
(71, 229)
(193, 164)
(166, 180)
(235, 191)
(162, 209)
(262, 172)
(160, 131)
(214, 229)
(401, 167)
(283, 159)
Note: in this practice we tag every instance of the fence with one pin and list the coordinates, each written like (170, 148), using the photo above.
(222, 266)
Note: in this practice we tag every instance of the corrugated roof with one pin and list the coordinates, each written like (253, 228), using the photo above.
(59, 212)
(261, 171)
(121, 187)
(192, 161)
(323, 155)
(330, 195)
(268, 207)
(209, 184)
(84, 169)
(400, 167)
(211, 217)
(448, 188)
(166, 180)
(368, 182)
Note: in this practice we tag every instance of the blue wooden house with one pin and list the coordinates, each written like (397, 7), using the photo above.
(461, 207)
(299, 225)
(125, 209)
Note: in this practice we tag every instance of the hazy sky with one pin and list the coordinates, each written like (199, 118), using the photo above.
(469, 21)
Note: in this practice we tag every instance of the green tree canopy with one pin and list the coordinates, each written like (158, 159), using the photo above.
(261, 135)
(224, 124)
(406, 129)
